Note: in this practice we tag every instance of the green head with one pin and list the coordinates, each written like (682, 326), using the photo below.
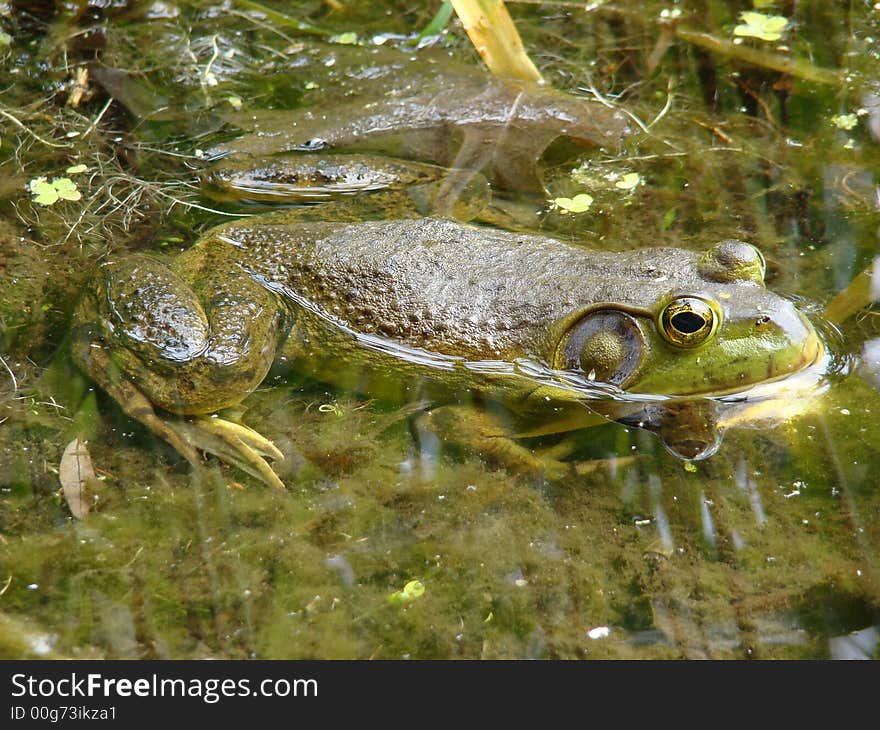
(715, 330)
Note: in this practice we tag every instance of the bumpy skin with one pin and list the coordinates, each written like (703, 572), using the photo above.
(454, 290)
(378, 306)
(308, 177)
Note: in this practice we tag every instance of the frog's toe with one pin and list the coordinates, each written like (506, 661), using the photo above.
(233, 443)
(554, 470)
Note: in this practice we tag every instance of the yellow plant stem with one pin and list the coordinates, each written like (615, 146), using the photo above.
(491, 30)
(856, 297)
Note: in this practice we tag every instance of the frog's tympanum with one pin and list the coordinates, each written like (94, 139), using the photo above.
(377, 305)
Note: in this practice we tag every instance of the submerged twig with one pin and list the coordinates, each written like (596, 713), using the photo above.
(11, 374)
(756, 57)
(591, 87)
(97, 120)
(666, 107)
(33, 134)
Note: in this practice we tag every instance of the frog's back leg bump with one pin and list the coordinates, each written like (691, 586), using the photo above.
(191, 347)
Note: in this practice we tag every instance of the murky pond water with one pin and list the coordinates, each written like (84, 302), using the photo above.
(391, 540)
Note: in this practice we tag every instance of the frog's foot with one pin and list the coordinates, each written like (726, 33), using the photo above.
(238, 445)
(565, 448)
(483, 434)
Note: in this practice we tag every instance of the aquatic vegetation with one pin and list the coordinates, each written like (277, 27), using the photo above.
(761, 26)
(629, 181)
(769, 549)
(845, 121)
(412, 591)
(47, 193)
(580, 203)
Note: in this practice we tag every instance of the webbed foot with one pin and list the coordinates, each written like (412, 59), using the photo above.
(238, 445)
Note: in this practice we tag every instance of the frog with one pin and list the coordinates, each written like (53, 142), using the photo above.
(379, 261)
(529, 326)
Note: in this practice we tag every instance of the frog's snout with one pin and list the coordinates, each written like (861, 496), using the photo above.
(814, 347)
(801, 344)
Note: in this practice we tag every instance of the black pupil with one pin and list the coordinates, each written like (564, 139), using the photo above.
(688, 322)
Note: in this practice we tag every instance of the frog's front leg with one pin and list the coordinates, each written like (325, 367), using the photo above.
(188, 340)
(486, 435)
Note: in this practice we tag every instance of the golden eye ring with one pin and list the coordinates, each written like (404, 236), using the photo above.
(688, 321)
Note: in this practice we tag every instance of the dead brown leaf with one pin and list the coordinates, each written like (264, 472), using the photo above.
(76, 474)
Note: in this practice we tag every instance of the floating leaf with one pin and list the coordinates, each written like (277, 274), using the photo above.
(44, 192)
(412, 591)
(763, 27)
(75, 472)
(845, 121)
(66, 189)
(47, 193)
(578, 204)
(347, 39)
(629, 181)
(76, 169)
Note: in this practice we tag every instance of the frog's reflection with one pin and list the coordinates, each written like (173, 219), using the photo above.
(693, 428)
(688, 429)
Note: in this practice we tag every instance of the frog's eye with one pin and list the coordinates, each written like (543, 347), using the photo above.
(687, 321)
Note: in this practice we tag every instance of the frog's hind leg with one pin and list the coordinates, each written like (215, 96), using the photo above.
(485, 435)
(95, 361)
(145, 337)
